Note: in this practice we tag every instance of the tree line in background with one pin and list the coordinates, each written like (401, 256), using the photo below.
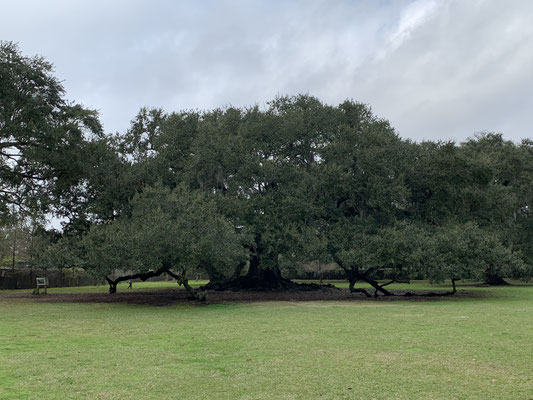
(244, 193)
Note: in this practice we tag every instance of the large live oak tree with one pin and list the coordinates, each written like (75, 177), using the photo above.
(300, 172)
(237, 192)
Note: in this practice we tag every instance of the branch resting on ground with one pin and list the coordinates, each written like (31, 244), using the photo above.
(355, 275)
(193, 294)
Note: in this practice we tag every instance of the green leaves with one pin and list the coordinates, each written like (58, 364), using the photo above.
(42, 136)
(177, 229)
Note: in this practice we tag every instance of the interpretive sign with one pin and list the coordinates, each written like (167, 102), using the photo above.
(41, 282)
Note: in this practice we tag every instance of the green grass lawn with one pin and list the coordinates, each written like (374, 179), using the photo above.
(478, 348)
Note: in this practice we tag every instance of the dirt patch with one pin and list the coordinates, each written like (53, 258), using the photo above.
(166, 297)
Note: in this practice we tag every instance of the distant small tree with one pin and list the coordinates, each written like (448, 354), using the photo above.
(56, 253)
(20, 239)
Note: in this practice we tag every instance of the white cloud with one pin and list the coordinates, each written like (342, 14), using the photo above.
(435, 68)
(413, 16)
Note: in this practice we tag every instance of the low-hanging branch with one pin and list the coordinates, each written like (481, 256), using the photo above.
(142, 276)
(355, 275)
(192, 293)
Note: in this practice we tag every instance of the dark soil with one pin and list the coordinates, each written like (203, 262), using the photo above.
(166, 297)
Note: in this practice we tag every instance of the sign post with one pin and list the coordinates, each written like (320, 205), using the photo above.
(42, 282)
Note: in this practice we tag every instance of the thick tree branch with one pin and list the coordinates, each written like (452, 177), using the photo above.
(142, 276)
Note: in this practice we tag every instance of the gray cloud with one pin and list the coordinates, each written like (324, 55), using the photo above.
(437, 69)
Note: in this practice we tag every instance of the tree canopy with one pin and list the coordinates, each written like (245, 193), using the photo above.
(43, 137)
(241, 192)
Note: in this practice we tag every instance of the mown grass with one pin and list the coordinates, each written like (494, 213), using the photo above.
(454, 348)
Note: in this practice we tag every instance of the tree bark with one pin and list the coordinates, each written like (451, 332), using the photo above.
(262, 278)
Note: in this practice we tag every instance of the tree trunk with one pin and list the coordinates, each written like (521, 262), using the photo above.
(257, 278)
(353, 277)
(112, 285)
(494, 280)
(262, 278)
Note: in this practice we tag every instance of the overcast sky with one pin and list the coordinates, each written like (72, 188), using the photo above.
(437, 69)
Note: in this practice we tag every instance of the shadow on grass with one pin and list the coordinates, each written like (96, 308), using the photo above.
(167, 297)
